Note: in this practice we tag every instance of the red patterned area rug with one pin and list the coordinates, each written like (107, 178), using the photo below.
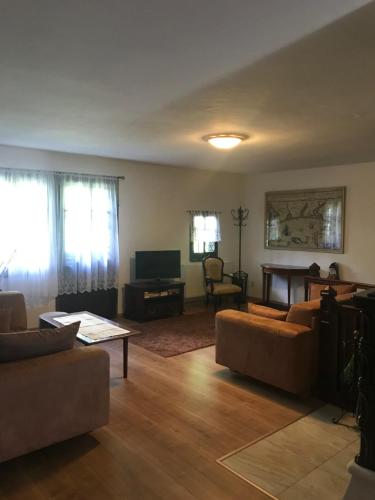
(172, 336)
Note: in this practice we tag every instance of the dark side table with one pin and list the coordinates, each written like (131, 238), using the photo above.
(283, 270)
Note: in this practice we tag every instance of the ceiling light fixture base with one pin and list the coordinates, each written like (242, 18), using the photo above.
(225, 140)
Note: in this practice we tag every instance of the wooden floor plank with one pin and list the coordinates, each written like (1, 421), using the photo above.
(170, 421)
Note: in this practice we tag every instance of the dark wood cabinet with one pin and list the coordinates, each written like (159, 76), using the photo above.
(101, 302)
(145, 301)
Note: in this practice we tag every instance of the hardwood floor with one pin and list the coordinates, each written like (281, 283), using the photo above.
(170, 421)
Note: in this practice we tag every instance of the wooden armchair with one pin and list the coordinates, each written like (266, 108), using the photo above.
(213, 271)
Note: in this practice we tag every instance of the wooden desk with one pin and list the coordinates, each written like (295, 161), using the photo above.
(289, 271)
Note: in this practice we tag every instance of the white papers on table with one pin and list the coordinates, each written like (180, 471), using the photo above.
(95, 333)
(92, 329)
(84, 318)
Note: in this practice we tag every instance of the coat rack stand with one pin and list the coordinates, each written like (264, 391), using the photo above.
(239, 277)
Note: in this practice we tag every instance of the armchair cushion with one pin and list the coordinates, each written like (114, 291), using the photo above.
(29, 344)
(266, 312)
(5, 317)
(223, 289)
(213, 267)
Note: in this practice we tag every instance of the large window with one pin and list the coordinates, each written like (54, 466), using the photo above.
(27, 242)
(89, 247)
(59, 233)
(204, 235)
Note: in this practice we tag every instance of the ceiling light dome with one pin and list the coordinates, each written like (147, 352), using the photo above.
(225, 140)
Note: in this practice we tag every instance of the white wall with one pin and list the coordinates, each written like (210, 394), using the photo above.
(153, 204)
(358, 261)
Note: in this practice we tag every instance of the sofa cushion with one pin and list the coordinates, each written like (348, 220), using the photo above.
(30, 344)
(267, 312)
(275, 327)
(345, 297)
(316, 289)
(5, 317)
(304, 312)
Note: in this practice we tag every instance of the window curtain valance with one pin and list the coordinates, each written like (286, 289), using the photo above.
(59, 233)
(204, 226)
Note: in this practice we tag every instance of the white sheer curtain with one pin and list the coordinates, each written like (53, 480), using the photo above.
(332, 224)
(28, 237)
(89, 255)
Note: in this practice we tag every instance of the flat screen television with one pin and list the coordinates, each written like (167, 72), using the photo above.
(158, 264)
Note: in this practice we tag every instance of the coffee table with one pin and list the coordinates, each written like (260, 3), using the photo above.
(48, 320)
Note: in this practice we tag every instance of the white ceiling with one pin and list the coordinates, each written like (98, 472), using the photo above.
(145, 79)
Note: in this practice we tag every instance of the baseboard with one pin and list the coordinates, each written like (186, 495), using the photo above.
(192, 300)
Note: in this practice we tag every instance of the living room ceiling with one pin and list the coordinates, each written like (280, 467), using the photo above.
(146, 79)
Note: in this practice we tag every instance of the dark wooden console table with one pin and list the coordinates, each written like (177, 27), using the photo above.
(289, 271)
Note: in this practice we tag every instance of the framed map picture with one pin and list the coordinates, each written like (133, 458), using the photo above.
(308, 219)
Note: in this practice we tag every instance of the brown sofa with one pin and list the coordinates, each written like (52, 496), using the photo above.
(275, 347)
(50, 398)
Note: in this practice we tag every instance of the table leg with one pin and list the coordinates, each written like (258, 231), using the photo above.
(289, 283)
(264, 288)
(125, 357)
(269, 280)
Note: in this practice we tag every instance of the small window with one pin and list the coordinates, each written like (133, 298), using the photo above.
(199, 250)
(204, 236)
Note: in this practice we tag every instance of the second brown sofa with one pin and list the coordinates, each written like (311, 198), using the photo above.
(275, 347)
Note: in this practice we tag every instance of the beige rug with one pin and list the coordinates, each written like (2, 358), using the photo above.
(306, 459)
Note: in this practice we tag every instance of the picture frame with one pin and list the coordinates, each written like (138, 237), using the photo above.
(310, 220)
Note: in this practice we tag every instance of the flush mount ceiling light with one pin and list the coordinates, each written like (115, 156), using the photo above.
(225, 141)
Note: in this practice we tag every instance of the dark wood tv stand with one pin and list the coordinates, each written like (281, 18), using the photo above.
(153, 299)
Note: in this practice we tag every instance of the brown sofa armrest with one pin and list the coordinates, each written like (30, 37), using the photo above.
(51, 398)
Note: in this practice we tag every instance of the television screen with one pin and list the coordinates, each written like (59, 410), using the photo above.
(158, 264)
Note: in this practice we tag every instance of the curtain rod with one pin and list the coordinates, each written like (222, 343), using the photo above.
(59, 172)
(199, 210)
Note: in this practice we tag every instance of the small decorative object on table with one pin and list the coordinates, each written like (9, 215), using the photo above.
(240, 277)
(333, 271)
(314, 270)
